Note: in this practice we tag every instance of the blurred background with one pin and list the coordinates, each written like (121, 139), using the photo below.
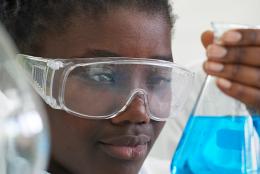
(24, 135)
(194, 17)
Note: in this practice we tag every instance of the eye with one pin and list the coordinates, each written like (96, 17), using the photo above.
(158, 81)
(103, 77)
(94, 75)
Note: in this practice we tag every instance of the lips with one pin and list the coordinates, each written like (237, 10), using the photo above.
(127, 147)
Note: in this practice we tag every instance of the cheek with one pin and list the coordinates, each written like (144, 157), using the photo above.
(157, 126)
(72, 138)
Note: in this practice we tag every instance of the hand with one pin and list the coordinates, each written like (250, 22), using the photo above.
(236, 64)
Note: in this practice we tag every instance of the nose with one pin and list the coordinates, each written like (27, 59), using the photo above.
(135, 112)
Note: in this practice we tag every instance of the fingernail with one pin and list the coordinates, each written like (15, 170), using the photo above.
(231, 37)
(215, 51)
(224, 83)
(213, 66)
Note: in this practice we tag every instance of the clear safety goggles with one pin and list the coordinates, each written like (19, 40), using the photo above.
(101, 88)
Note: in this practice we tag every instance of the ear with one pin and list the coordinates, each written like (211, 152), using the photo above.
(207, 38)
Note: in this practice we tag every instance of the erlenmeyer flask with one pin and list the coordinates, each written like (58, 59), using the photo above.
(221, 137)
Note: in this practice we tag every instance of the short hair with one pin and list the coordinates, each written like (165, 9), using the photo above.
(27, 20)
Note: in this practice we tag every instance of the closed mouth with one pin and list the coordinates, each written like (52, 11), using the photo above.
(127, 147)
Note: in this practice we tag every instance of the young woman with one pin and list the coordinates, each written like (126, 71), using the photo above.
(105, 107)
(105, 112)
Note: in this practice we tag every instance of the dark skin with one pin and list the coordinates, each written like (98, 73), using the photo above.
(236, 63)
(76, 141)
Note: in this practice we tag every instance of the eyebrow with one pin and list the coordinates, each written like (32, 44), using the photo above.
(166, 58)
(105, 53)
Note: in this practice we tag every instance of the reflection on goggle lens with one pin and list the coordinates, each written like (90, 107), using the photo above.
(103, 90)
(116, 76)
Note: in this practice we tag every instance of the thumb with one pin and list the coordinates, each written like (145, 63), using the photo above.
(207, 38)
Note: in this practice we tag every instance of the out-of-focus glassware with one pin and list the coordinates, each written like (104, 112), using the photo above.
(24, 145)
(222, 135)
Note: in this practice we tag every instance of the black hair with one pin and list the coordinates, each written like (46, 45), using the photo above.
(28, 20)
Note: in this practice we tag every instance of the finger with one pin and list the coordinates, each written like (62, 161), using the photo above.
(242, 37)
(207, 38)
(237, 55)
(246, 94)
(246, 75)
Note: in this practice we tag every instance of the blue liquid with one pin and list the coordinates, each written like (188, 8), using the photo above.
(219, 145)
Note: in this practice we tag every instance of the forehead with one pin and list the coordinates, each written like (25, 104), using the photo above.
(124, 32)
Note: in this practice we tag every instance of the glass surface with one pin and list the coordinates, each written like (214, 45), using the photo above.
(218, 144)
(112, 85)
(110, 82)
(220, 137)
(24, 142)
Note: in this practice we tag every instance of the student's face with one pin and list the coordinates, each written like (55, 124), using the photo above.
(84, 146)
